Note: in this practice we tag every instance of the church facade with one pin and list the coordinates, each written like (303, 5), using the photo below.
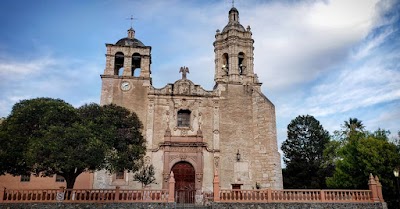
(191, 131)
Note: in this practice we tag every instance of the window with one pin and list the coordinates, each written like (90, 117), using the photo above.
(25, 178)
(120, 175)
(183, 118)
(59, 178)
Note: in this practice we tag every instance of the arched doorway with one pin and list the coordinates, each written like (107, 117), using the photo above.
(185, 177)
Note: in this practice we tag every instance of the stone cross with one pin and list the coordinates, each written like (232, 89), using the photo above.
(184, 70)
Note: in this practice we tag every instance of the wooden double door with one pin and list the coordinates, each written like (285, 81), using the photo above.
(185, 177)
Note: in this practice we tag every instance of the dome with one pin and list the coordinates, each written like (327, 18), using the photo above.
(129, 42)
(233, 9)
(234, 26)
(233, 23)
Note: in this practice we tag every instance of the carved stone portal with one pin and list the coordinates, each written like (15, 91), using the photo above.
(184, 149)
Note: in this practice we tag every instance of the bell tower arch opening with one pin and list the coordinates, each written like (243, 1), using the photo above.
(136, 64)
(119, 63)
(242, 65)
(225, 63)
(185, 179)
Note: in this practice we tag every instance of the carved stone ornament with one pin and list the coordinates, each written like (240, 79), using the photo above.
(199, 176)
(184, 132)
(182, 149)
(167, 132)
(184, 88)
(166, 177)
(216, 161)
(184, 70)
(182, 156)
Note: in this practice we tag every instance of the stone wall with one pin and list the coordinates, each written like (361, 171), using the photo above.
(214, 205)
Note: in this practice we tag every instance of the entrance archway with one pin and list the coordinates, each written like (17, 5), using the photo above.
(185, 177)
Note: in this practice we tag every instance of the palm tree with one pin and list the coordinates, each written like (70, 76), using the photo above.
(353, 126)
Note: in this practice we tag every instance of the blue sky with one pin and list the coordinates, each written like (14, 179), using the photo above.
(330, 59)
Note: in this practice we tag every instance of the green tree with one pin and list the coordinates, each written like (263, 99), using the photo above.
(303, 154)
(363, 154)
(145, 175)
(47, 136)
(353, 126)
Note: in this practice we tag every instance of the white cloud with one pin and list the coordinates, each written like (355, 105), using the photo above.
(366, 47)
(68, 79)
(296, 43)
(17, 69)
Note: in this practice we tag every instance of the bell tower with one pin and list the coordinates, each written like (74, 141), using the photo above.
(127, 68)
(234, 55)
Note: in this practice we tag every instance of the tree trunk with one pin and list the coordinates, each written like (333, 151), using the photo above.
(70, 179)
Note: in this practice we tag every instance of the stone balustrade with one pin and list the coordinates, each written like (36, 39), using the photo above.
(88, 195)
(83, 195)
(373, 195)
(289, 195)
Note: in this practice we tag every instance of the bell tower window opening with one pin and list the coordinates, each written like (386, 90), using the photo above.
(136, 68)
(184, 118)
(225, 63)
(241, 63)
(119, 63)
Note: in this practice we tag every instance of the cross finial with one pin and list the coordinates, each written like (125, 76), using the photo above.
(131, 18)
(233, 3)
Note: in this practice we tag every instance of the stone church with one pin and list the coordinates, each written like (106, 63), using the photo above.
(192, 131)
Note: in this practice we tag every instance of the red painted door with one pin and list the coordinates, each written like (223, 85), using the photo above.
(184, 182)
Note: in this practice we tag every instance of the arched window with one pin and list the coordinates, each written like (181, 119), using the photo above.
(242, 65)
(184, 118)
(119, 63)
(225, 63)
(136, 68)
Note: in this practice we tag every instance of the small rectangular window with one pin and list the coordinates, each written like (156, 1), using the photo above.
(120, 175)
(184, 118)
(59, 178)
(25, 178)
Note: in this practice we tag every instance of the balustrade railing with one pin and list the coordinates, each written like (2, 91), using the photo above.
(290, 195)
(84, 195)
(374, 194)
(240, 195)
(144, 195)
(347, 195)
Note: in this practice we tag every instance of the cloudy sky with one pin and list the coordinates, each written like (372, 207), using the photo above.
(333, 59)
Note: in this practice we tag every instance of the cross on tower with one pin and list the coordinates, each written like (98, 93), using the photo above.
(131, 18)
(233, 3)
